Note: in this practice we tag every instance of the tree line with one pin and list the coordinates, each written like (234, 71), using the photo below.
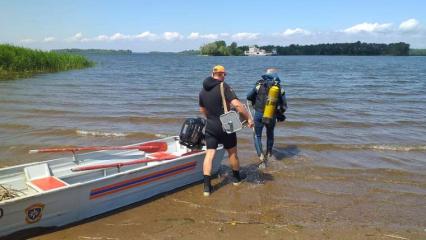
(357, 48)
(92, 51)
(417, 52)
(219, 48)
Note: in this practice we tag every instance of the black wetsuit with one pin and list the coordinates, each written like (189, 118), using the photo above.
(210, 98)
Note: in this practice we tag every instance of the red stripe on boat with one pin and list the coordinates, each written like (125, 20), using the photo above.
(134, 182)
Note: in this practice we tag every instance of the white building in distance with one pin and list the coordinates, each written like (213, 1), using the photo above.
(255, 51)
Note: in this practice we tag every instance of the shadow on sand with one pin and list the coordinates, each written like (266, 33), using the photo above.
(282, 153)
(250, 173)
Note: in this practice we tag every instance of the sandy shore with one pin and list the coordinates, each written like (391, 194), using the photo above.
(292, 199)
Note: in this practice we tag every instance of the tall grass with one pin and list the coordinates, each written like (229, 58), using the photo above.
(19, 61)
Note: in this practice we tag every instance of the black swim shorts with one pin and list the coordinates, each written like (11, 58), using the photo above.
(228, 140)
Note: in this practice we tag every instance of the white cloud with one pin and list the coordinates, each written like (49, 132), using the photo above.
(409, 25)
(169, 36)
(196, 35)
(145, 35)
(368, 28)
(77, 37)
(210, 36)
(295, 31)
(119, 36)
(245, 36)
(27, 40)
(102, 38)
(49, 39)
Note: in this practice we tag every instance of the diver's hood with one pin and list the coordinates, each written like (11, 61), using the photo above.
(209, 83)
(271, 77)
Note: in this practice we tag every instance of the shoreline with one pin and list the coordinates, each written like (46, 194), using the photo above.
(11, 75)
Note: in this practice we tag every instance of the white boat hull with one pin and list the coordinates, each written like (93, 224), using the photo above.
(82, 199)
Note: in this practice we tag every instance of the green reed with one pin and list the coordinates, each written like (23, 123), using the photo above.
(22, 62)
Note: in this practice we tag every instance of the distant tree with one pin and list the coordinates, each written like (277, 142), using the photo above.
(234, 50)
(219, 48)
(190, 52)
(398, 49)
(211, 49)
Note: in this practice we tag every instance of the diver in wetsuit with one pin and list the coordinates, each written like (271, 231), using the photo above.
(259, 97)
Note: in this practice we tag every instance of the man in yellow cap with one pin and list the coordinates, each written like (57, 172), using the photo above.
(210, 102)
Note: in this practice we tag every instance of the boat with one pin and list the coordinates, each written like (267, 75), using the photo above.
(61, 191)
(255, 51)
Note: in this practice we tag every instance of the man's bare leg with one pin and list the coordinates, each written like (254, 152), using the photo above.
(233, 158)
(235, 165)
(208, 160)
(207, 169)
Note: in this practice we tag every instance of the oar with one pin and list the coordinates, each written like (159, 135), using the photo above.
(121, 164)
(161, 157)
(146, 147)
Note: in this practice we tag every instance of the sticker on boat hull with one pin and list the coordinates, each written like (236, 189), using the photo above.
(34, 213)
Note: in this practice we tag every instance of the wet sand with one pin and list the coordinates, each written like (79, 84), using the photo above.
(292, 199)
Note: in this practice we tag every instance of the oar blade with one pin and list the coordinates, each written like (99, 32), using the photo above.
(151, 147)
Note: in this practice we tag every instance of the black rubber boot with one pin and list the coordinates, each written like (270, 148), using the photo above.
(207, 186)
(269, 153)
(236, 180)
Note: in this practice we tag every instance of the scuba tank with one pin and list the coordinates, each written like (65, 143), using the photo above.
(271, 104)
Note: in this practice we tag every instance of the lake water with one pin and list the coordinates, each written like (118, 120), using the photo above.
(349, 161)
(367, 112)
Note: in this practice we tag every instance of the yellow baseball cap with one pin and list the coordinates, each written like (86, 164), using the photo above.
(219, 69)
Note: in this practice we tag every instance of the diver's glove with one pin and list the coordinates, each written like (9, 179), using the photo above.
(281, 117)
(280, 114)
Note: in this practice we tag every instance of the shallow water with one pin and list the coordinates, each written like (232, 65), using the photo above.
(354, 140)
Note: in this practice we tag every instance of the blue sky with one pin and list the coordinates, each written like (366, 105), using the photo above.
(165, 25)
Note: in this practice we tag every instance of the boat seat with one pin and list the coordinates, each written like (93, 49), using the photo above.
(40, 178)
(47, 183)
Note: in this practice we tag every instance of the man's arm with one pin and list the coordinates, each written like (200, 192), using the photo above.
(203, 110)
(241, 109)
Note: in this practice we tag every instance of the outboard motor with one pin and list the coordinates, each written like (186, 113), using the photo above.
(191, 135)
